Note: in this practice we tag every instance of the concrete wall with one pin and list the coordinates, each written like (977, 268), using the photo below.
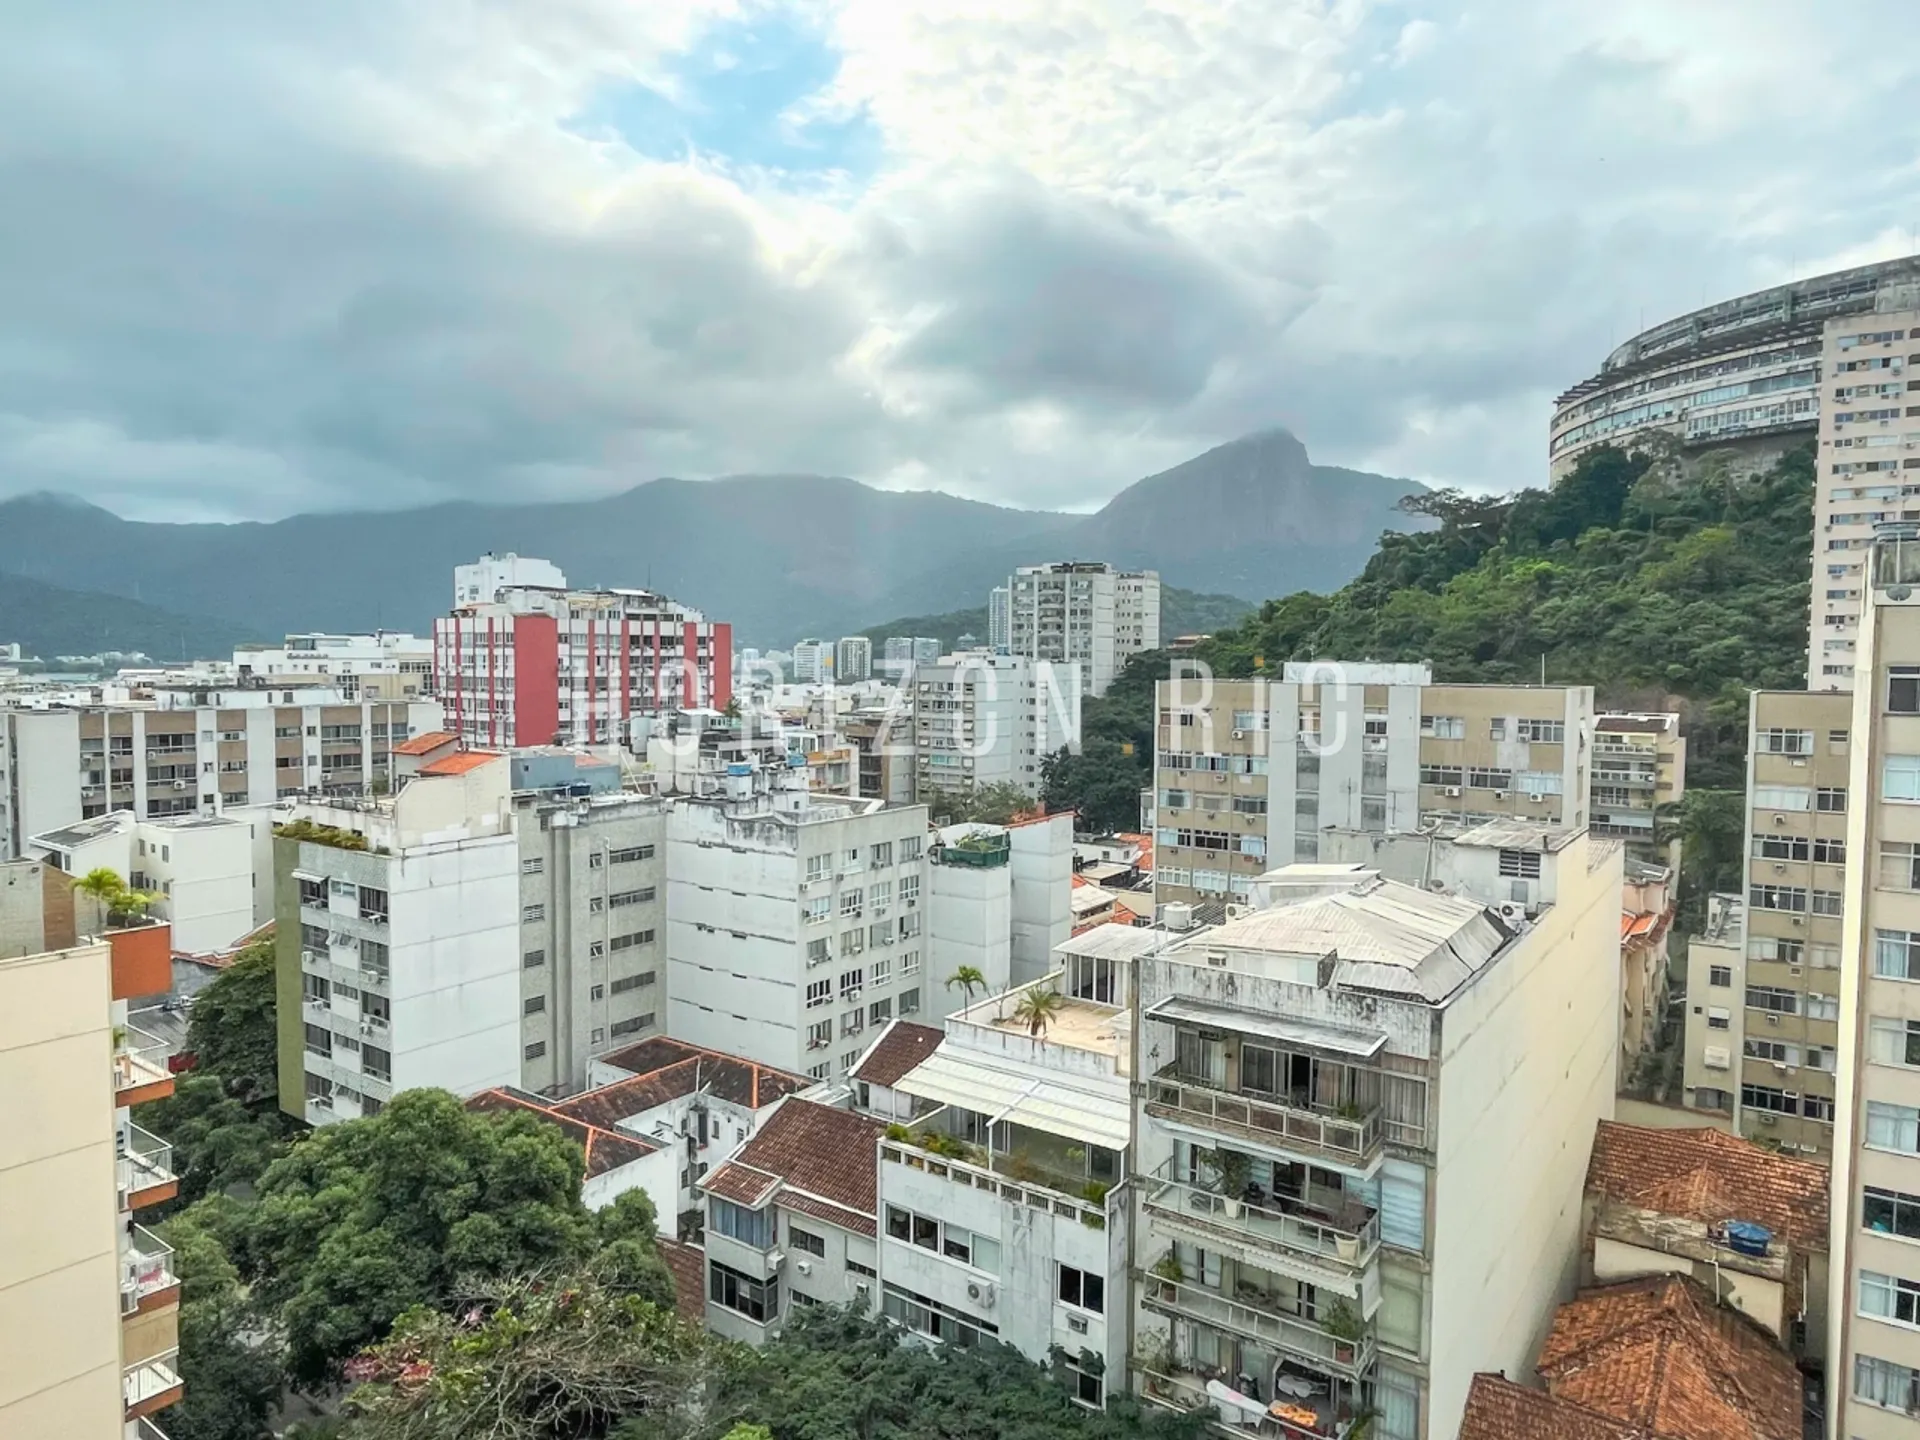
(1042, 893)
(1529, 1058)
(204, 870)
(40, 789)
(969, 922)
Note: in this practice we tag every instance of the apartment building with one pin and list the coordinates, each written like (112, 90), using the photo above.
(89, 1298)
(901, 653)
(1762, 1022)
(1005, 1212)
(1080, 613)
(882, 740)
(1247, 773)
(1639, 768)
(981, 719)
(400, 960)
(1353, 1192)
(1001, 896)
(193, 750)
(812, 662)
(524, 660)
(790, 1221)
(386, 665)
(852, 659)
(199, 870)
(1867, 452)
(795, 923)
(1874, 1351)
(1000, 619)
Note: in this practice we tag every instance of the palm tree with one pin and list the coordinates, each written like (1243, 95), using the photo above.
(1036, 1008)
(123, 906)
(969, 979)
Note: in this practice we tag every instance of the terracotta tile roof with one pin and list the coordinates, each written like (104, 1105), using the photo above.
(425, 744)
(459, 763)
(1498, 1409)
(660, 1070)
(1710, 1176)
(1658, 1353)
(606, 1149)
(901, 1046)
(688, 1264)
(823, 1162)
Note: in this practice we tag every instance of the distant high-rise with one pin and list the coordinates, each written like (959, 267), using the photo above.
(812, 662)
(1000, 618)
(1080, 612)
(853, 659)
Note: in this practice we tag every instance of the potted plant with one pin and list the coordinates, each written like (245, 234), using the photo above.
(1168, 1268)
(1342, 1322)
(1234, 1171)
(1154, 1358)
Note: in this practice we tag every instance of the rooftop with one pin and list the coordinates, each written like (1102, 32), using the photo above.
(1658, 1353)
(1517, 835)
(79, 833)
(1637, 724)
(901, 1046)
(688, 1265)
(1707, 1175)
(460, 762)
(660, 1069)
(425, 744)
(1498, 1409)
(814, 1159)
(606, 1149)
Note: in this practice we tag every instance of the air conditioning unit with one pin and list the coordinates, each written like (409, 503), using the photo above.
(861, 1290)
(1499, 794)
(1513, 913)
(1781, 1066)
(1779, 869)
(1239, 734)
(981, 1293)
(1453, 792)
(805, 1267)
(1767, 1117)
(1773, 1017)
(1799, 919)
(179, 784)
(1077, 1324)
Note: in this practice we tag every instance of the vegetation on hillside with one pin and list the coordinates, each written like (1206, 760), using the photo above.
(1662, 588)
(50, 620)
(1182, 612)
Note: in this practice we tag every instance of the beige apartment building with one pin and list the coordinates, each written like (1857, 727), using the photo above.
(1763, 996)
(1874, 1349)
(1639, 767)
(1867, 465)
(89, 1301)
(1248, 773)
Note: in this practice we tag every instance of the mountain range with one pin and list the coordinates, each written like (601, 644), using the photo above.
(781, 556)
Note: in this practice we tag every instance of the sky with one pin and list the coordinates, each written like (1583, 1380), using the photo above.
(259, 257)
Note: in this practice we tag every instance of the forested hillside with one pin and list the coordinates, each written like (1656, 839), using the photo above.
(1661, 590)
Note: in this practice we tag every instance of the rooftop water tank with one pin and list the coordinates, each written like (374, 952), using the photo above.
(1746, 1238)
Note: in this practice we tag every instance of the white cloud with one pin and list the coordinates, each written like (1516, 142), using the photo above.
(257, 257)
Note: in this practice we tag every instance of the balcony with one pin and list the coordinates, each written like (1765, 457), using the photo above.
(1185, 1388)
(1296, 1132)
(147, 1430)
(1254, 1316)
(317, 1012)
(1328, 1245)
(147, 1281)
(1015, 1178)
(144, 1170)
(152, 1385)
(140, 1070)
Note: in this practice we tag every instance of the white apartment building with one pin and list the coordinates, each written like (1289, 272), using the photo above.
(812, 662)
(1873, 1361)
(386, 665)
(796, 924)
(193, 750)
(1000, 619)
(982, 719)
(1005, 1212)
(201, 871)
(1002, 896)
(1248, 773)
(399, 931)
(1080, 613)
(1639, 767)
(901, 653)
(1865, 464)
(1355, 1187)
(853, 659)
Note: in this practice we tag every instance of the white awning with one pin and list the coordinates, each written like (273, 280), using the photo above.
(1287, 1030)
(950, 1077)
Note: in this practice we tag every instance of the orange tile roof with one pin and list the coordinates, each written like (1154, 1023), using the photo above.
(688, 1265)
(1498, 1409)
(661, 1069)
(459, 763)
(1145, 842)
(820, 1161)
(1659, 1354)
(605, 1149)
(1708, 1175)
(425, 744)
(901, 1046)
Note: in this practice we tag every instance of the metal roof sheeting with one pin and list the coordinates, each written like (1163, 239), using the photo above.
(1339, 1039)
(950, 1077)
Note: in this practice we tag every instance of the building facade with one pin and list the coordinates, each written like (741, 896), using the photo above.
(1081, 613)
(521, 663)
(1744, 373)
(1639, 768)
(200, 872)
(385, 665)
(1869, 447)
(1247, 773)
(852, 659)
(812, 662)
(981, 719)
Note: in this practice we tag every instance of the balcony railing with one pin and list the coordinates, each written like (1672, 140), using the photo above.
(1260, 1320)
(145, 1165)
(1276, 1224)
(317, 1012)
(1294, 1129)
(1180, 1389)
(147, 1430)
(152, 1384)
(146, 1268)
(1031, 1190)
(139, 1062)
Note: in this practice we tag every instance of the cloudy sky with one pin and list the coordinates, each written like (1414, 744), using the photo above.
(259, 256)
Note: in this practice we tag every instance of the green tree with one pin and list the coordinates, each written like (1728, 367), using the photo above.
(995, 804)
(628, 1232)
(365, 1220)
(232, 1376)
(969, 979)
(231, 1029)
(1037, 1008)
(532, 1358)
(218, 1142)
(123, 904)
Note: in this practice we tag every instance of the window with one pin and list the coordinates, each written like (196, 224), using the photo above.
(532, 914)
(595, 860)
(970, 1247)
(1893, 1041)
(1785, 742)
(1082, 1288)
(909, 962)
(1765, 1097)
(880, 972)
(758, 1300)
(912, 1228)
(534, 1005)
(909, 926)
(1480, 778)
(926, 1316)
(1890, 1297)
(536, 1050)
(819, 992)
(1497, 728)
(628, 1027)
(1896, 954)
(1900, 778)
(629, 853)
(1881, 1382)
(820, 1035)
(1780, 847)
(882, 854)
(880, 894)
(805, 1240)
(627, 942)
(1540, 782)
(1086, 1388)
(819, 867)
(1903, 689)
(909, 889)
(1543, 732)
(736, 1222)
(1777, 1050)
(1721, 975)
(1822, 1007)
(633, 982)
(852, 1023)
(1831, 800)
(1829, 852)
(630, 897)
(1787, 952)
(1782, 797)
(319, 1040)
(910, 1001)
(1452, 776)
(1826, 902)
(1899, 865)
(1893, 1127)
(817, 910)
(1773, 998)
(596, 992)
(1890, 1212)
(533, 866)
(879, 1012)
(1718, 1018)
(1444, 727)
(1524, 864)
(376, 1062)
(1778, 897)
(910, 848)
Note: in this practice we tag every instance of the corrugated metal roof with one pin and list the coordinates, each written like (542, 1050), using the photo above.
(1340, 1039)
(951, 1077)
(1118, 942)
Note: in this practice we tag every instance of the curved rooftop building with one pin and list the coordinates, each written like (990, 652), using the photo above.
(1744, 372)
